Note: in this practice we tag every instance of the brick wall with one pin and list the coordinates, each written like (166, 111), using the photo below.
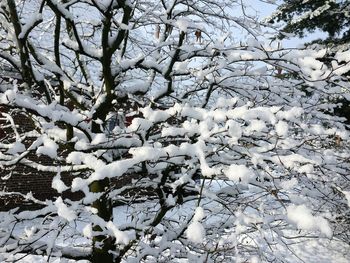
(24, 179)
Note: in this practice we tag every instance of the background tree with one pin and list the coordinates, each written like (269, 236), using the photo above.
(182, 148)
(304, 17)
(329, 17)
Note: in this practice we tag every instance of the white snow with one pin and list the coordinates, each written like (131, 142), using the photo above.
(255, 126)
(234, 130)
(195, 232)
(49, 148)
(87, 231)
(263, 149)
(183, 23)
(64, 211)
(99, 138)
(29, 24)
(347, 196)
(282, 128)
(58, 184)
(199, 214)
(239, 173)
(16, 147)
(289, 184)
(302, 217)
(121, 237)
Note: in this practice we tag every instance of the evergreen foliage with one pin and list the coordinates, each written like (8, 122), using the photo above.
(303, 17)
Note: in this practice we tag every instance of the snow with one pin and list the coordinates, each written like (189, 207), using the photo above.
(320, 251)
(87, 231)
(29, 24)
(9, 96)
(58, 184)
(239, 173)
(255, 126)
(93, 52)
(155, 116)
(342, 56)
(84, 158)
(309, 15)
(99, 138)
(291, 114)
(327, 250)
(130, 63)
(64, 211)
(78, 184)
(195, 232)
(42, 259)
(16, 147)
(289, 184)
(306, 168)
(282, 128)
(121, 237)
(199, 214)
(181, 67)
(263, 150)
(303, 218)
(183, 23)
(347, 196)
(291, 161)
(234, 130)
(49, 148)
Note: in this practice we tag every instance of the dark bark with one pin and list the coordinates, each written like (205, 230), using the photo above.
(102, 244)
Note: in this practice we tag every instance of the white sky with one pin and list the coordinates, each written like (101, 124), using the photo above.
(265, 9)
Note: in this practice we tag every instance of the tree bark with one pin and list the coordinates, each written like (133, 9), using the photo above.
(102, 244)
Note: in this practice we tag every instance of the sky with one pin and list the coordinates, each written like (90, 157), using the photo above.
(264, 9)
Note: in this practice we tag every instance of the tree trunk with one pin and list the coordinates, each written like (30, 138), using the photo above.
(102, 244)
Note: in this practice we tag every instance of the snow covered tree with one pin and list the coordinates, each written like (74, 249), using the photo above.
(302, 17)
(188, 135)
(329, 17)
